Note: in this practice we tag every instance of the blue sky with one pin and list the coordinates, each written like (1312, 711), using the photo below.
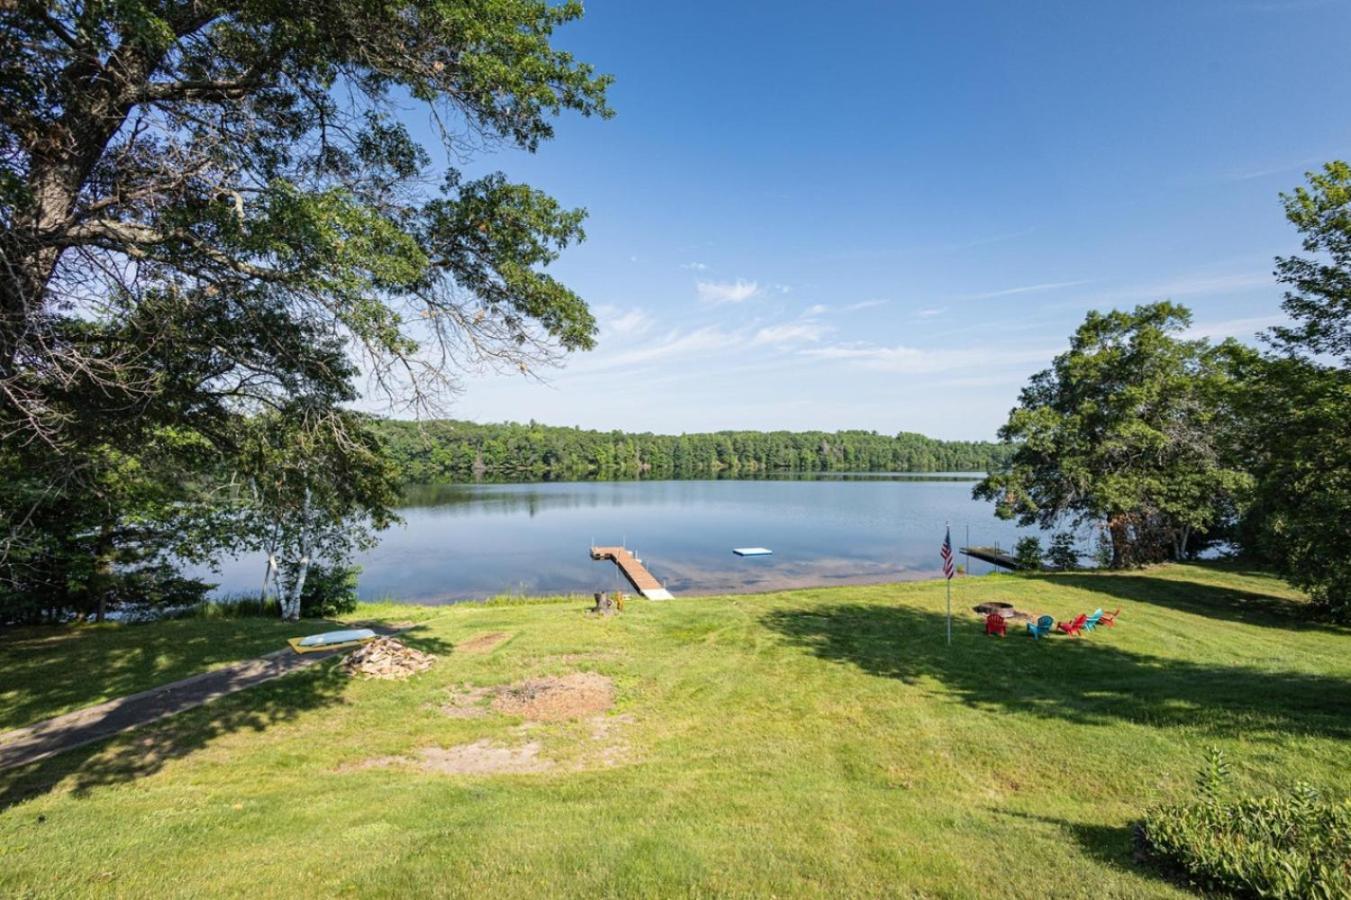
(888, 215)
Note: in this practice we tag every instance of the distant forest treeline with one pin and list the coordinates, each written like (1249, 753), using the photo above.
(452, 450)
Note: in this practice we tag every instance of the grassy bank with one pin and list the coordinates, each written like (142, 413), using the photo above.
(819, 742)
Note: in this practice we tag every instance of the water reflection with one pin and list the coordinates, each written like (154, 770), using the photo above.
(461, 541)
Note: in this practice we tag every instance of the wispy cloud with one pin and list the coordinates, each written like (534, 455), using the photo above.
(930, 312)
(820, 309)
(1263, 172)
(924, 361)
(1187, 286)
(1239, 328)
(791, 333)
(726, 291)
(1212, 284)
(629, 323)
(1024, 289)
(696, 266)
(670, 346)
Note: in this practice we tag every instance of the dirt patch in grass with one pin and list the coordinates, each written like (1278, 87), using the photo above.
(557, 699)
(482, 757)
(483, 643)
(607, 732)
(467, 703)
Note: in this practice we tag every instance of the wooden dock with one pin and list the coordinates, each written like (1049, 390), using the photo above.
(993, 556)
(634, 571)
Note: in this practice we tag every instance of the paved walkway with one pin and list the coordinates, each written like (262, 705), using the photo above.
(94, 723)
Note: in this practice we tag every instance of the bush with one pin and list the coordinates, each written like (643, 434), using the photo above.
(1063, 554)
(330, 590)
(1295, 845)
(1027, 552)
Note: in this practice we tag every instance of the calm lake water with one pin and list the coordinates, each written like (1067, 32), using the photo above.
(464, 541)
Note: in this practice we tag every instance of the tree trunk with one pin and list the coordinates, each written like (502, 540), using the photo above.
(103, 567)
(298, 586)
(1119, 529)
(269, 573)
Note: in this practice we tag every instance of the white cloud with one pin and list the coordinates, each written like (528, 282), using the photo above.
(629, 323)
(822, 308)
(866, 304)
(726, 291)
(792, 333)
(696, 266)
(1209, 284)
(1239, 328)
(930, 312)
(920, 361)
(1025, 289)
(674, 344)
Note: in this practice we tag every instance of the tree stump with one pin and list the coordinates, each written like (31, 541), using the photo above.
(607, 603)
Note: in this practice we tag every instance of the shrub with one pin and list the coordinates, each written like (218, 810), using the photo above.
(330, 590)
(1063, 554)
(1028, 553)
(1295, 845)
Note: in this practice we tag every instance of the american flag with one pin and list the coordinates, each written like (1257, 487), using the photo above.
(948, 569)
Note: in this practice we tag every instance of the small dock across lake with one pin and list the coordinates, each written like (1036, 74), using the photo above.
(634, 571)
(992, 555)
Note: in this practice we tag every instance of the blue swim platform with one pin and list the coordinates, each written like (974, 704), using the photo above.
(752, 551)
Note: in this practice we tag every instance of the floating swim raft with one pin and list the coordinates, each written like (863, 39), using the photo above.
(752, 551)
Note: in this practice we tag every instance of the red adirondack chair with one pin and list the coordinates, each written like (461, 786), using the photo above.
(995, 624)
(1072, 628)
(1109, 618)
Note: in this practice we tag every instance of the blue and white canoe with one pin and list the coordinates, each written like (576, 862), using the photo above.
(752, 551)
(332, 640)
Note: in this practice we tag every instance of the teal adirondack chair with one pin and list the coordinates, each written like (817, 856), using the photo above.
(1042, 627)
(1092, 621)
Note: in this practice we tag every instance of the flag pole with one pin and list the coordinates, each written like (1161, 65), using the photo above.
(948, 527)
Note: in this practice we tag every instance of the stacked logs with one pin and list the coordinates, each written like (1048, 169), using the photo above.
(387, 658)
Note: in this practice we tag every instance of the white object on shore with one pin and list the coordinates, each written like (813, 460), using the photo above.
(751, 551)
(337, 637)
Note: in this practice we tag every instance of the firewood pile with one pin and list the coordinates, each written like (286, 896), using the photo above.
(387, 658)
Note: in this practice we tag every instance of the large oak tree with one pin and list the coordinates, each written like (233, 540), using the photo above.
(211, 210)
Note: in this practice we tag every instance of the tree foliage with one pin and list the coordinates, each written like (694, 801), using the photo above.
(440, 450)
(209, 213)
(1296, 415)
(1124, 430)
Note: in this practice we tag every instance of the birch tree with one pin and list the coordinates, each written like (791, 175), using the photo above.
(318, 488)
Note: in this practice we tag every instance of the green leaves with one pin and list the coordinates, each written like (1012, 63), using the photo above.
(1294, 845)
(1124, 429)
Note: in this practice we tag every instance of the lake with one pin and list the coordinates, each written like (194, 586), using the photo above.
(465, 541)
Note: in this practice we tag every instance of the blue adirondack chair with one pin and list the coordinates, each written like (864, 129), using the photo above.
(1041, 627)
(1092, 621)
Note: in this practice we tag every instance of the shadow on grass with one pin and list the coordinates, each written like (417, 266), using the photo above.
(148, 749)
(1199, 598)
(46, 670)
(1087, 681)
(1111, 845)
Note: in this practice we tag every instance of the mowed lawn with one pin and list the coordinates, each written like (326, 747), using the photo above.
(818, 742)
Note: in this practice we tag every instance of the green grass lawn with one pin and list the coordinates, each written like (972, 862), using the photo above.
(819, 742)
